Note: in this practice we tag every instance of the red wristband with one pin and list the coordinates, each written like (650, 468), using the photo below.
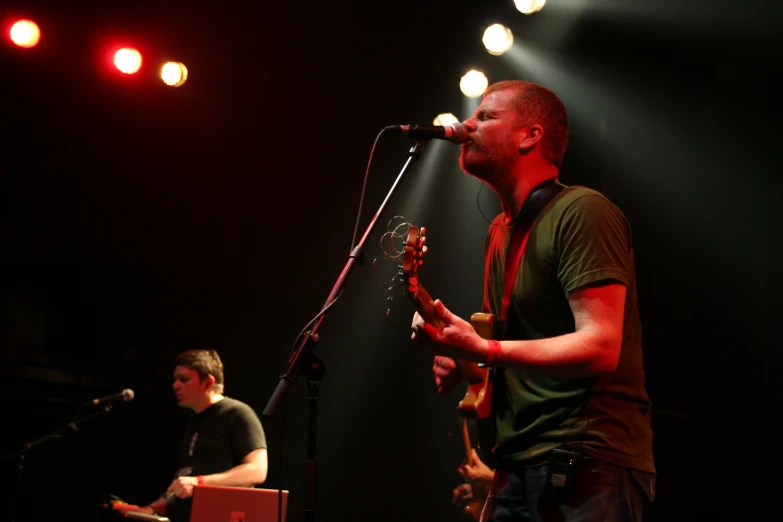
(200, 480)
(494, 352)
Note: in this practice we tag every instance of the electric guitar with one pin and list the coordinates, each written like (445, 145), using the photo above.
(479, 492)
(477, 401)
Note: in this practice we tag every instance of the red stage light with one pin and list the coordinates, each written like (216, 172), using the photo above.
(25, 33)
(127, 60)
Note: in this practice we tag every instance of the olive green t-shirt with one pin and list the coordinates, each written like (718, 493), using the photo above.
(579, 238)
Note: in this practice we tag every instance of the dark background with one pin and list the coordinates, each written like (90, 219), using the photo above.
(138, 221)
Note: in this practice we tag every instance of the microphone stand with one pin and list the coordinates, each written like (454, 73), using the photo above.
(302, 359)
(72, 426)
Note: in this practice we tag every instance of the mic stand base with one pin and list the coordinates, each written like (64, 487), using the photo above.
(72, 427)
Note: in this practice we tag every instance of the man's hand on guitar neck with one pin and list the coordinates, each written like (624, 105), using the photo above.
(457, 338)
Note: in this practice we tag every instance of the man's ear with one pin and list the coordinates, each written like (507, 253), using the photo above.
(209, 382)
(529, 139)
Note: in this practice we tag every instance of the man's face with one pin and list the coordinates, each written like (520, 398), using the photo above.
(189, 389)
(491, 147)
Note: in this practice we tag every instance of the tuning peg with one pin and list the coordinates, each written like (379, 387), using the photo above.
(422, 231)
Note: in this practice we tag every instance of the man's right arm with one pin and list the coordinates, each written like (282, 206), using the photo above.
(449, 373)
(158, 506)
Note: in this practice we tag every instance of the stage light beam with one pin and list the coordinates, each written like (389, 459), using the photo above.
(174, 74)
(25, 33)
(497, 39)
(127, 60)
(473, 84)
(444, 119)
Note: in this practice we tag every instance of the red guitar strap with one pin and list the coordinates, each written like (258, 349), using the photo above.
(535, 203)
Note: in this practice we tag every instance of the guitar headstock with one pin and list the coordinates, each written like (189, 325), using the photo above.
(413, 258)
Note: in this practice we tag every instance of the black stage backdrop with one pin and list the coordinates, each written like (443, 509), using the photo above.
(138, 221)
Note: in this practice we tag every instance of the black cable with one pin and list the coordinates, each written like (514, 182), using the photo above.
(353, 239)
(364, 188)
(587, 424)
(478, 203)
(313, 320)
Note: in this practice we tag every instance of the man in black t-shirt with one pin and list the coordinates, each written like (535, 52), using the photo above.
(224, 444)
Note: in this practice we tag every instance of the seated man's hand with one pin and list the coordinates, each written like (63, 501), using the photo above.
(182, 487)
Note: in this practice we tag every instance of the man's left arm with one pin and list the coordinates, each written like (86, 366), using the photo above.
(251, 471)
(248, 439)
(594, 243)
(593, 349)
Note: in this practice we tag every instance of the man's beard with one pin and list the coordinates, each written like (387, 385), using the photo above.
(480, 163)
(469, 162)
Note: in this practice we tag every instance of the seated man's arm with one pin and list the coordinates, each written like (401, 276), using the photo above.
(157, 506)
(247, 437)
(250, 472)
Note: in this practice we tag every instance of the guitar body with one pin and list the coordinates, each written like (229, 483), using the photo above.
(476, 504)
(477, 403)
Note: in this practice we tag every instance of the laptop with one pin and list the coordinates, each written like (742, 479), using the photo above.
(225, 504)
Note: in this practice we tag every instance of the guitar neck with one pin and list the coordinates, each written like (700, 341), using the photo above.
(466, 441)
(425, 305)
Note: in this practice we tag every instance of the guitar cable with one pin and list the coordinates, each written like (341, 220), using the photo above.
(587, 425)
(587, 422)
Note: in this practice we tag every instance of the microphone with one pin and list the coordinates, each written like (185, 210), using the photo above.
(454, 132)
(125, 395)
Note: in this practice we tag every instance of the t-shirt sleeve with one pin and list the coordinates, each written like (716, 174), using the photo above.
(246, 432)
(594, 243)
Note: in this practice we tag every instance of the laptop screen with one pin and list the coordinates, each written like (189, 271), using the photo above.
(225, 504)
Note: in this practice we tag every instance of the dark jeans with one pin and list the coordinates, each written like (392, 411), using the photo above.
(603, 492)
